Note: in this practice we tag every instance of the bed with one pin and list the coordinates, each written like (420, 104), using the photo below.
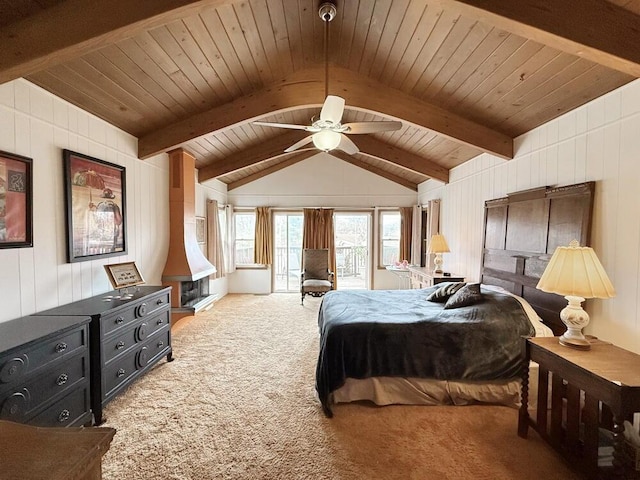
(396, 347)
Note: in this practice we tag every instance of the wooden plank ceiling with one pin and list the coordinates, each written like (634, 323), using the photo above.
(463, 77)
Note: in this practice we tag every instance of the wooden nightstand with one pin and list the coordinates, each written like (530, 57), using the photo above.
(609, 378)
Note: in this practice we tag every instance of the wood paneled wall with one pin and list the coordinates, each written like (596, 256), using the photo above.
(39, 125)
(599, 141)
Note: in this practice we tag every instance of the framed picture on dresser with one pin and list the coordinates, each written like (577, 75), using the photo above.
(16, 201)
(122, 275)
(95, 197)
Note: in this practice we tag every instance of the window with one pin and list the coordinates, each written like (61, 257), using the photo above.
(245, 223)
(389, 237)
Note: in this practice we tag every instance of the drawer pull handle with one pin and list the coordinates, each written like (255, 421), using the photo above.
(64, 416)
(62, 379)
(160, 321)
(61, 347)
(159, 301)
(119, 345)
(121, 372)
(119, 320)
(160, 344)
(141, 310)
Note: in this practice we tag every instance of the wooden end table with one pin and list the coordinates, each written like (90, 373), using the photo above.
(584, 386)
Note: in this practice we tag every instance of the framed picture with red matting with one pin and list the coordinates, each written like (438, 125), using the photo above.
(96, 207)
(16, 201)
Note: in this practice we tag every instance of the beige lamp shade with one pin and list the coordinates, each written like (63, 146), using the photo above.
(438, 244)
(576, 271)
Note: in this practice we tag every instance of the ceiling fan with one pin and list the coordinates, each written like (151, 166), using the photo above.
(328, 132)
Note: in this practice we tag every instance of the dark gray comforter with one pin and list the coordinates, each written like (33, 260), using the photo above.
(399, 333)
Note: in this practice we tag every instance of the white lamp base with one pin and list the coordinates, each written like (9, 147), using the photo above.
(437, 263)
(575, 318)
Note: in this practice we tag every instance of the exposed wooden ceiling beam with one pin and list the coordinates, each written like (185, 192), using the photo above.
(306, 89)
(373, 147)
(595, 30)
(271, 148)
(76, 27)
(370, 168)
(293, 159)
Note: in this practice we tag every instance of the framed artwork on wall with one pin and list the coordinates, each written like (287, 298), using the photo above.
(16, 201)
(95, 197)
(201, 230)
(122, 275)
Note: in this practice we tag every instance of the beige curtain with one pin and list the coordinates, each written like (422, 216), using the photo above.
(433, 227)
(263, 252)
(215, 245)
(317, 232)
(406, 221)
(416, 235)
(230, 240)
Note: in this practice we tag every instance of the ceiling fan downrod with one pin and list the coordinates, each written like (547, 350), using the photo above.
(327, 12)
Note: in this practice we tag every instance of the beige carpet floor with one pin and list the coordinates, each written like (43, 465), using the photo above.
(239, 402)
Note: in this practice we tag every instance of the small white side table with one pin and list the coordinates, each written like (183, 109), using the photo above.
(403, 275)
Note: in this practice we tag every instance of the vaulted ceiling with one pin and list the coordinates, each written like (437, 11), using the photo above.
(464, 77)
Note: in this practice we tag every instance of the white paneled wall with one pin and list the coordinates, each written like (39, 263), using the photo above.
(36, 124)
(320, 181)
(599, 141)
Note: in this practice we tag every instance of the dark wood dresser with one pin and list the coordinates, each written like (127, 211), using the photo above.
(129, 333)
(44, 370)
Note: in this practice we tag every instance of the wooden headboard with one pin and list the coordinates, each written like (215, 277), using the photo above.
(521, 232)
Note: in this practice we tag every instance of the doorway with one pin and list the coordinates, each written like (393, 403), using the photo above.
(352, 238)
(287, 230)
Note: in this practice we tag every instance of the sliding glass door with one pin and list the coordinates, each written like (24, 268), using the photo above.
(352, 237)
(287, 228)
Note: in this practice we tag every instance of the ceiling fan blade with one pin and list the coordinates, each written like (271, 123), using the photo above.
(332, 109)
(299, 144)
(347, 146)
(283, 125)
(372, 127)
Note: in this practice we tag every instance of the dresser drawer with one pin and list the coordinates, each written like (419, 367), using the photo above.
(154, 347)
(21, 402)
(69, 410)
(16, 366)
(120, 344)
(147, 307)
(118, 372)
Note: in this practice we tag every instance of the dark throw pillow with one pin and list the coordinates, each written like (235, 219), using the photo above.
(467, 295)
(444, 291)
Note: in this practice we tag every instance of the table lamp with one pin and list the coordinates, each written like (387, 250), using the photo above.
(438, 245)
(576, 273)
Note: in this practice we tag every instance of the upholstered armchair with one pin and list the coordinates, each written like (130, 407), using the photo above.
(316, 278)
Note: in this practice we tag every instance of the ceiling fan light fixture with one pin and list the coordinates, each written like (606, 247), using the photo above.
(326, 140)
